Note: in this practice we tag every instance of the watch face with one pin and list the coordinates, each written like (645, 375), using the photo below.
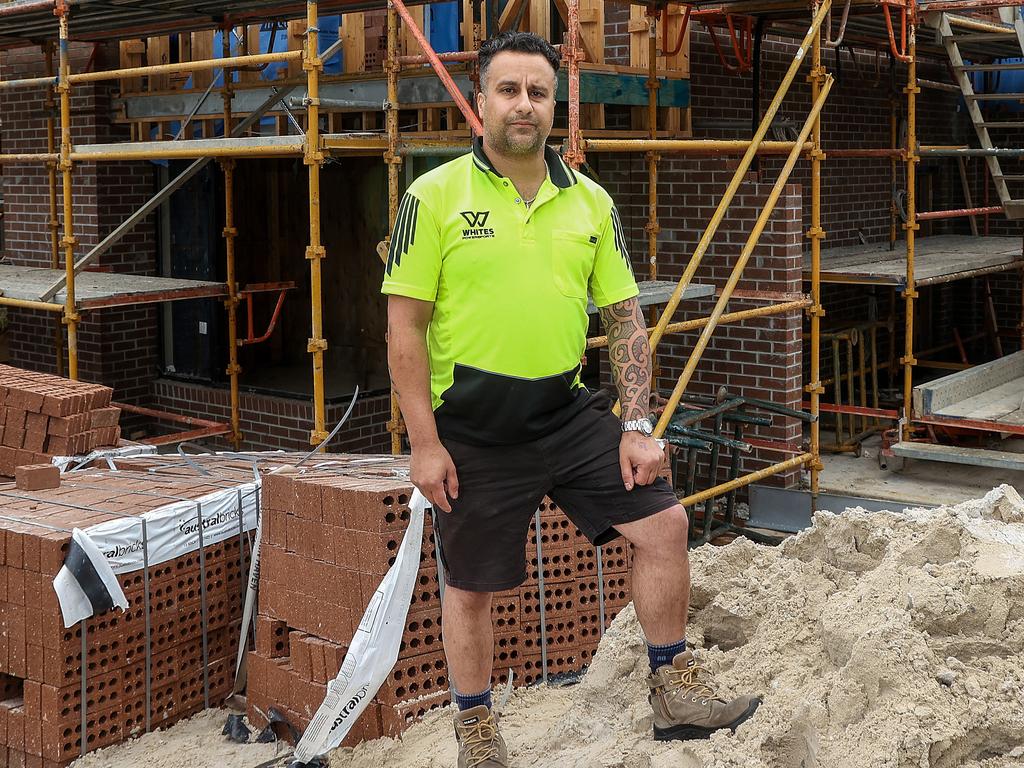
(646, 427)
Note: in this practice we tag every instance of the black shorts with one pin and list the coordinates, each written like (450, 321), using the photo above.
(483, 539)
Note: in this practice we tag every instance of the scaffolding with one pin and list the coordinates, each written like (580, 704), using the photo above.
(862, 24)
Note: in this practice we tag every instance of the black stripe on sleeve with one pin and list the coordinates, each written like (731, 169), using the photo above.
(405, 231)
(620, 238)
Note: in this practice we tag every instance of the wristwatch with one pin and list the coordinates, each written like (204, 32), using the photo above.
(643, 426)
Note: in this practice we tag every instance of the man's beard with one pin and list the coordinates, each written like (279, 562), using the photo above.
(506, 143)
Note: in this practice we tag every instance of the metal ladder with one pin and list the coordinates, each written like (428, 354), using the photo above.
(1012, 25)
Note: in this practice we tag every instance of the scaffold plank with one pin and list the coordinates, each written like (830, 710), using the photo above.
(938, 259)
(95, 290)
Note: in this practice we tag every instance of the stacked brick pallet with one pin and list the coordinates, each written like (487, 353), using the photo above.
(42, 416)
(41, 663)
(328, 540)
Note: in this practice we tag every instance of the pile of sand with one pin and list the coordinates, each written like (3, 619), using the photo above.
(877, 640)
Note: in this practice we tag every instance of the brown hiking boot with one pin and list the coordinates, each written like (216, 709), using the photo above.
(686, 708)
(480, 744)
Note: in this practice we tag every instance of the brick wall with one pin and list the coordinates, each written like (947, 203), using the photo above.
(117, 347)
(271, 423)
(760, 357)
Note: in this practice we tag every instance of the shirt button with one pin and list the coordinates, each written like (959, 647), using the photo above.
(505, 183)
(518, 200)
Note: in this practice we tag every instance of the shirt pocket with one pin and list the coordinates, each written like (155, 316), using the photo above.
(572, 262)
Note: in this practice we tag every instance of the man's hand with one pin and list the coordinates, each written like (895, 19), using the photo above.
(433, 472)
(639, 459)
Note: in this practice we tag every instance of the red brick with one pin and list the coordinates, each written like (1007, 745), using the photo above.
(37, 477)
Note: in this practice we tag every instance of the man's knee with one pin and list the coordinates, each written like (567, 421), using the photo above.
(466, 602)
(669, 534)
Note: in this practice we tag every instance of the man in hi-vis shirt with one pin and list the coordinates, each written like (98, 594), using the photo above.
(491, 261)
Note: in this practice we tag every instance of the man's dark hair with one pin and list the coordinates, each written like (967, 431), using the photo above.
(518, 42)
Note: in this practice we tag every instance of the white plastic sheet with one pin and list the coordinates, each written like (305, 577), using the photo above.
(374, 649)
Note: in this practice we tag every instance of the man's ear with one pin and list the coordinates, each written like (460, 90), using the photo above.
(480, 102)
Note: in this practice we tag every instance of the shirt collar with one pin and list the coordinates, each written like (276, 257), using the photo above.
(561, 175)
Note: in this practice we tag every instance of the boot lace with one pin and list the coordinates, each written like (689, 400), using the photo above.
(688, 682)
(479, 741)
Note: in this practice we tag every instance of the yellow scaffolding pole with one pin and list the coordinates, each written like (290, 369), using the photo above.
(45, 306)
(816, 234)
(652, 227)
(393, 159)
(703, 147)
(51, 179)
(190, 66)
(739, 482)
(741, 170)
(730, 317)
(910, 293)
(71, 316)
(315, 251)
(231, 303)
(741, 262)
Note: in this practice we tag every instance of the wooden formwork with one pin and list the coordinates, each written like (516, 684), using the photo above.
(672, 119)
(364, 38)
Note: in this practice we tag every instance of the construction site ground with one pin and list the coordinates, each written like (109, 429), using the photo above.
(916, 482)
(882, 640)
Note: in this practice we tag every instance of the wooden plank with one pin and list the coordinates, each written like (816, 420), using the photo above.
(952, 454)
(407, 43)
(590, 52)
(202, 49)
(509, 14)
(592, 116)
(132, 54)
(297, 40)
(638, 30)
(679, 62)
(158, 51)
(539, 18)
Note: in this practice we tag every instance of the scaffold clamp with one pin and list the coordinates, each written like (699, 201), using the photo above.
(315, 252)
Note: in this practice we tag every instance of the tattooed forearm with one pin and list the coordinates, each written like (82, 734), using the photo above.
(630, 356)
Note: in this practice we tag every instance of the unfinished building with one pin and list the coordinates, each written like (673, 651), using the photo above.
(821, 204)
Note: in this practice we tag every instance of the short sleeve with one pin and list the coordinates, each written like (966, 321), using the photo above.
(414, 256)
(612, 279)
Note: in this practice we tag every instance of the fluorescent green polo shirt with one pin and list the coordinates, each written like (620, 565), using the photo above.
(509, 286)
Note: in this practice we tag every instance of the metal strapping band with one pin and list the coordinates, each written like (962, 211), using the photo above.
(85, 674)
(203, 607)
(540, 597)
(242, 581)
(437, 554)
(149, 626)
